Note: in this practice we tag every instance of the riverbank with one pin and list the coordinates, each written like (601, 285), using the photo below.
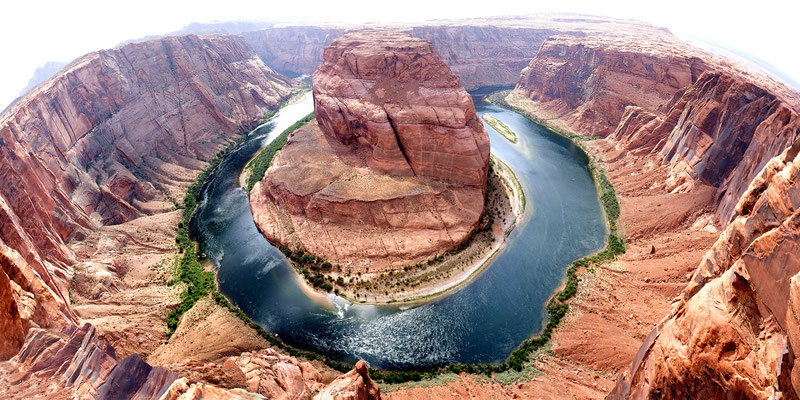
(500, 128)
(505, 204)
(616, 303)
(517, 360)
(244, 174)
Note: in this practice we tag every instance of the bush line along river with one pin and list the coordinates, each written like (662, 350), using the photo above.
(449, 334)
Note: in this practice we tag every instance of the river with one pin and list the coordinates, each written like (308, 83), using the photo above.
(482, 322)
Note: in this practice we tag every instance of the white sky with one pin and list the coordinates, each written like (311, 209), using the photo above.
(34, 32)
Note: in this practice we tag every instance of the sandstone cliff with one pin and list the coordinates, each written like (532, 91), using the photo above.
(394, 173)
(589, 81)
(480, 52)
(75, 363)
(721, 130)
(733, 330)
(478, 55)
(115, 135)
(355, 384)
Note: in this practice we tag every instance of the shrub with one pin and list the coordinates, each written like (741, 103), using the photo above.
(260, 164)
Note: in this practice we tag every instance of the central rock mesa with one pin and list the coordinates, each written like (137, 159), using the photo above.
(394, 169)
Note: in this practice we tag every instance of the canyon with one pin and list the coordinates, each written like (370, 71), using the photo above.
(703, 155)
(392, 173)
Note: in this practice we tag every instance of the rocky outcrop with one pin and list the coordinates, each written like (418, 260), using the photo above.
(391, 95)
(265, 372)
(394, 172)
(12, 326)
(721, 131)
(115, 135)
(488, 55)
(354, 385)
(75, 363)
(588, 82)
(709, 121)
(733, 330)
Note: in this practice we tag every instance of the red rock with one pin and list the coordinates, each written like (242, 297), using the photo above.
(481, 52)
(733, 330)
(396, 170)
(108, 139)
(721, 130)
(354, 385)
(588, 82)
(12, 327)
(75, 363)
(391, 94)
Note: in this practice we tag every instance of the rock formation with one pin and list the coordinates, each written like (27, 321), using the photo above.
(480, 52)
(720, 130)
(733, 330)
(355, 384)
(589, 81)
(394, 172)
(75, 363)
(705, 122)
(115, 135)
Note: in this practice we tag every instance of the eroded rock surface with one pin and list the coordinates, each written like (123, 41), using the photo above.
(721, 130)
(395, 170)
(354, 385)
(589, 81)
(117, 134)
(75, 363)
(733, 329)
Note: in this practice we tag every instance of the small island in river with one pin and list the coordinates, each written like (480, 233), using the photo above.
(500, 127)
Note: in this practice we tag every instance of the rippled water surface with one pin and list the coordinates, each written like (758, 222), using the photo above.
(482, 322)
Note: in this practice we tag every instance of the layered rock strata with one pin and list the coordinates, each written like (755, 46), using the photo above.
(75, 363)
(720, 130)
(589, 81)
(481, 52)
(395, 170)
(355, 384)
(733, 330)
(115, 135)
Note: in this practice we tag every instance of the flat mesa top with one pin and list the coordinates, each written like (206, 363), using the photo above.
(395, 39)
(313, 163)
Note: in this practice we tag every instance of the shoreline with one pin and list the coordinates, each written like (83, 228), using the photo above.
(241, 178)
(499, 232)
(560, 299)
(501, 128)
(467, 275)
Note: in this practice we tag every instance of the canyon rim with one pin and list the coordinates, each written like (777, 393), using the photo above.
(695, 157)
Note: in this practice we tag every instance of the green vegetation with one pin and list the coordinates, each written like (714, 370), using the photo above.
(260, 163)
(311, 267)
(200, 283)
(499, 99)
(189, 271)
(500, 127)
(285, 102)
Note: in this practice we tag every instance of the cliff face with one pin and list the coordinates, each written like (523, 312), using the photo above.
(733, 330)
(487, 55)
(113, 136)
(396, 170)
(355, 384)
(396, 99)
(294, 48)
(75, 363)
(477, 55)
(720, 130)
(588, 82)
